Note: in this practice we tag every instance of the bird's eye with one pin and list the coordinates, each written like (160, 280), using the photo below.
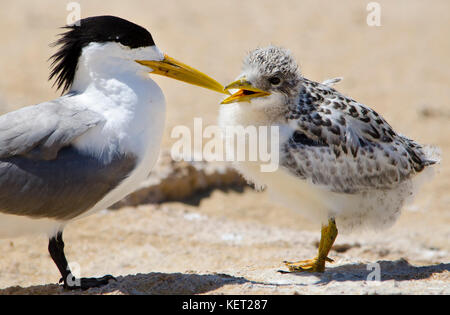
(274, 80)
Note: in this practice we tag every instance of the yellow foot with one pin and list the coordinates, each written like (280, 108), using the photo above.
(311, 265)
(317, 264)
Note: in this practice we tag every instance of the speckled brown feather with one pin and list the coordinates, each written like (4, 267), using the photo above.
(344, 144)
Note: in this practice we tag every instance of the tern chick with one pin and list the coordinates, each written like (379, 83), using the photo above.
(340, 162)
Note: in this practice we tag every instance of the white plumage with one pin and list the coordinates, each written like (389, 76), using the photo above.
(133, 105)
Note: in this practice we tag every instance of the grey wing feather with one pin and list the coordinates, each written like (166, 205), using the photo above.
(40, 131)
(62, 188)
(41, 174)
(331, 82)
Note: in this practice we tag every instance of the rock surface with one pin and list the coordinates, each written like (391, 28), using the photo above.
(172, 180)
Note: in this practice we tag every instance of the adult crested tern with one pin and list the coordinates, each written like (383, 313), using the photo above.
(341, 163)
(80, 153)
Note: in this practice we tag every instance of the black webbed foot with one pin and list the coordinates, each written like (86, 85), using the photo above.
(73, 283)
(56, 250)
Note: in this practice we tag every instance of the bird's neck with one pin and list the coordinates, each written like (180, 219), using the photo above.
(128, 100)
(259, 113)
(95, 70)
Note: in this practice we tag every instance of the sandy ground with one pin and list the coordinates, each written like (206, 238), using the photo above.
(182, 249)
(231, 241)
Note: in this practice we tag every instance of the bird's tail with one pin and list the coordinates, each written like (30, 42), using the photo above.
(432, 155)
(422, 156)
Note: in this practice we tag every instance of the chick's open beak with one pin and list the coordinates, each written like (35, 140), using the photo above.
(175, 69)
(245, 92)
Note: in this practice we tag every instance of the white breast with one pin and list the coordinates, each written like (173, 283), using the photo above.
(135, 126)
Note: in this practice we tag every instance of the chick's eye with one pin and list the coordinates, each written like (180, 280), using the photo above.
(275, 80)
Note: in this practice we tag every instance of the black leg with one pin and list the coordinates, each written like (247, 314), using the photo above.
(56, 250)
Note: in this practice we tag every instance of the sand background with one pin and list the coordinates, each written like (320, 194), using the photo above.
(233, 241)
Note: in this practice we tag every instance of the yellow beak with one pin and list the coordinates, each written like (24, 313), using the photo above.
(245, 94)
(175, 69)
